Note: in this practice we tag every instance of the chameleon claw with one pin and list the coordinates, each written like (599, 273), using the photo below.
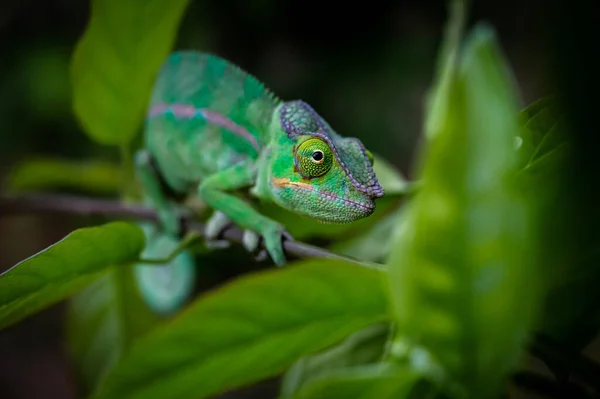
(270, 244)
(287, 236)
(213, 231)
(261, 256)
(251, 240)
(273, 240)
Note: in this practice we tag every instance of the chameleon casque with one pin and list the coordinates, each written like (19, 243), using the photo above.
(213, 130)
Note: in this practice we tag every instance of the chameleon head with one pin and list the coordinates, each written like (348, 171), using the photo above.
(319, 173)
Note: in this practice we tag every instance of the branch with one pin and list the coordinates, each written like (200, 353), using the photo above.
(48, 203)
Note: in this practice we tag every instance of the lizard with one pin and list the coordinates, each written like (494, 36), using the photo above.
(214, 130)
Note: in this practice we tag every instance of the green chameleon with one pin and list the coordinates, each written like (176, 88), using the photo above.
(214, 130)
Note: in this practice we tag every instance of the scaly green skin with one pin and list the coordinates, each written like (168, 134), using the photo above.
(215, 129)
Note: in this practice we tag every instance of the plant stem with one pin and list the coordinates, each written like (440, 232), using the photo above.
(48, 203)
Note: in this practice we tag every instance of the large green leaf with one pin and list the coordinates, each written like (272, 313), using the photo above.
(65, 267)
(250, 329)
(116, 61)
(364, 347)
(109, 314)
(439, 96)
(381, 381)
(102, 320)
(94, 177)
(462, 274)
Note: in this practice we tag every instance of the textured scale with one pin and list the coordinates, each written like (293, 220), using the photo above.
(196, 81)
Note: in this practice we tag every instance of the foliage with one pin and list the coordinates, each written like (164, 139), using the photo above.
(61, 269)
(471, 269)
(93, 177)
(116, 61)
(250, 329)
(467, 250)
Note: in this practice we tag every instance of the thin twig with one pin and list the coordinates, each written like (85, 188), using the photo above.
(49, 203)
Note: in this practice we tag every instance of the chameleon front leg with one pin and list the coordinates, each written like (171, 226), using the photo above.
(215, 226)
(214, 192)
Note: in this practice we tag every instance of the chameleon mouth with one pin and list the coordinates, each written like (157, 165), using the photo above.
(364, 208)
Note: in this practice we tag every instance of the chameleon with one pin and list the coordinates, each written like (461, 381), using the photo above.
(215, 131)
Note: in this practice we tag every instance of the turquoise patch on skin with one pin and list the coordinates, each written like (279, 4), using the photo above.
(165, 289)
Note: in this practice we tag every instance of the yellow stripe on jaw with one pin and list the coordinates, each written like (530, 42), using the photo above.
(280, 182)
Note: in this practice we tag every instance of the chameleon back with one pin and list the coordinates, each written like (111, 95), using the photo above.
(205, 115)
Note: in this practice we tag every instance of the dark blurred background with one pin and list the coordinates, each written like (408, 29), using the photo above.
(364, 66)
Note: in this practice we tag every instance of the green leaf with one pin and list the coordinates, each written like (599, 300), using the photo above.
(543, 144)
(381, 381)
(94, 177)
(102, 321)
(439, 97)
(109, 314)
(116, 61)
(570, 260)
(65, 267)
(249, 330)
(375, 244)
(304, 228)
(364, 347)
(463, 273)
(392, 181)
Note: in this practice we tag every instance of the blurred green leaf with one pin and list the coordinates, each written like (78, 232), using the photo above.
(65, 267)
(375, 244)
(102, 320)
(439, 96)
(250, 329)
(571, 261)
(463, 273)
(116, 61)
(106, 316)
(381, 381)
(45, 70)
(94, 177)
(542, 142)
(392, 181)
(303, 228)
(366, 346)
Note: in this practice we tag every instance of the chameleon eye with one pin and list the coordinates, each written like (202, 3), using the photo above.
(313, 158)
(317, 156)
(370, 156)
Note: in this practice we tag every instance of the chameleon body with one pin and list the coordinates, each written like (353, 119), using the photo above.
(214, 130)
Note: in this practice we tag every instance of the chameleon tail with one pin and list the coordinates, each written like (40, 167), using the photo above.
(164, 288)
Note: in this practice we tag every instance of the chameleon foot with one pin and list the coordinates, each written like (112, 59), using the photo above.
(271, 239)
(215, 226)
(251, 241)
